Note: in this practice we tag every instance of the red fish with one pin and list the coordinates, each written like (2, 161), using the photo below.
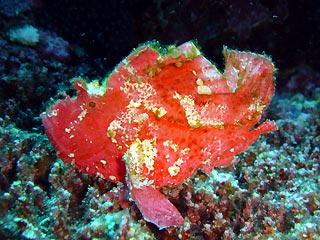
(159, 116)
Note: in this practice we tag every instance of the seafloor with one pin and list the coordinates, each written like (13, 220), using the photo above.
(271, 191)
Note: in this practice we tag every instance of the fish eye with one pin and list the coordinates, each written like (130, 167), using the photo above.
(92, 104)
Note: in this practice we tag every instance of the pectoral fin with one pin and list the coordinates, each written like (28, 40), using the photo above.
(155, 207)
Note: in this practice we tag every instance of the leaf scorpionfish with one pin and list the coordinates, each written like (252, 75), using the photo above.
(162, 114)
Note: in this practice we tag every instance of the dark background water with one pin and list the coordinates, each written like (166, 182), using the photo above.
(287, 30)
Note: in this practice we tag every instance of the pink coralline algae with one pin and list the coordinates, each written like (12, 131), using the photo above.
(161, 115)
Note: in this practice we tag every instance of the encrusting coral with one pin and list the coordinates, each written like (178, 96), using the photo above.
(161, 115)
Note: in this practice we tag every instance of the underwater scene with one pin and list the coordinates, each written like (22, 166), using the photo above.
(159, 119)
